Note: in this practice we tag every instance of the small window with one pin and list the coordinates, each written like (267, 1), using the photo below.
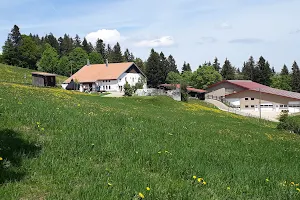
(246, 99)
(109, 81)
(246, 106)
(252, 99)
(252, 106)
(109, 87)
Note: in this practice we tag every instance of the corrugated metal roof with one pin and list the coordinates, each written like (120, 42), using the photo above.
(43, 74)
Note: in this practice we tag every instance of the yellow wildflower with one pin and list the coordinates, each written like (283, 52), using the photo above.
(38, 123)
(292, 183)
(1, 158)
(297, 184)
(109, 184)
(298, 189)
(228, 188)
(78, 105)
(42, 129)
(141, 195)
(200, 179)
(159, 152)
(194, 177)
(204, 183)
(147, 188)
(267, 180)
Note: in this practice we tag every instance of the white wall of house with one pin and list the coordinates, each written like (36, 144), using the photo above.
(235, 102)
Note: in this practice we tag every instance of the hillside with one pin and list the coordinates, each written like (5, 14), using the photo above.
(12, 74)
(58, 144)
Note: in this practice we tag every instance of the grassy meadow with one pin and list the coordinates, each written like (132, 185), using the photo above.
(58, 144)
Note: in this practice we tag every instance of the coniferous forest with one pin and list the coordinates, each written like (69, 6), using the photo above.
(65, 55)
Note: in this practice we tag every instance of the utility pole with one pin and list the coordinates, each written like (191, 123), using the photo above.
(259, 103)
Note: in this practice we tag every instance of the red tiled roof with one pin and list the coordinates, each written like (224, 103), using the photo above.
(92, 73)
(242, 83)
(196, 90)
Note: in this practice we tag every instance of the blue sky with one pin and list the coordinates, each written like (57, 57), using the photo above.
(191, 30)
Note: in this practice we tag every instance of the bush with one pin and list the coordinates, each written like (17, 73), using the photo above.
(290, 123)
(128, 89)
(184, 92)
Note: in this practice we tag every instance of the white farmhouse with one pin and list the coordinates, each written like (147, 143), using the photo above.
(109, 77)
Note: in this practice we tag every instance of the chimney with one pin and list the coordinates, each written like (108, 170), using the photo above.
(88, 62)
(106, 62)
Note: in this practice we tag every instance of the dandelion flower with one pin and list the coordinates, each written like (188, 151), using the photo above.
(292, 183)
(267, 180)
(141, 195)
(38, 123)
(147, 188)
(228, 188)
(200, 179)
(109, 184)
(298, 189)
(204, 183)
(194, 177)
(78, 105)
(297, 184)
(1, 158)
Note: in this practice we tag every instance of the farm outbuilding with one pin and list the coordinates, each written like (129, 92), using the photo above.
(43, 79)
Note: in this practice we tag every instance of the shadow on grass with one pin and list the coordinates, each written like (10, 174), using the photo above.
(13, 149)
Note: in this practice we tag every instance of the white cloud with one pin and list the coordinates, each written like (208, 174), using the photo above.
(160, 42)
(108, 36)
(225, 25)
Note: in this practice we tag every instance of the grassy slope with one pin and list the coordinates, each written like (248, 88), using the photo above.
(81, 143)
(17, 75)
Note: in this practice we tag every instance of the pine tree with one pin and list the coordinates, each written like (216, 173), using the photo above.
(117, 56)
(295, 77)
(163, 67)
(186, 67)
(248, 69)
(131, 57)
(153, 73)
(108, 53)
(51, 39)
(228, 71)
(88, 47)
(49, 60)
(140, 63)
(263, 72)
(284, 71)
(127, 55)
(77, 41)
(66, 45)
(172, 64)
(11, 47)
(100, 48)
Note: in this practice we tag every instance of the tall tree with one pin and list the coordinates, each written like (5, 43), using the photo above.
(205, 76)
(295, 77)
(77, 41)
(154, 75)
(140, 63)
(64, 66)
(216, 65)
(263, 72)
(284, 71)
(228, 71)
(109, 53)
(66, 45)
(78, 58)
(172, 67)
(248, 69)
(88, 47)
(49, 60)
(96, 58)
(51, 39)
(11, 47)
(29, 53)
(100, 48)
(164, 67)
(127, 55)
(186, 67)
(282, 82)
(117, 56)
(174, 78)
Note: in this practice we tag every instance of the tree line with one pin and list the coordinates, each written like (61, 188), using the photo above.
(66, 55)
(63, 55)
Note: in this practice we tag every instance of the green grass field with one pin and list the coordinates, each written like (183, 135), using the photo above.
(58, 144)
(20, 75)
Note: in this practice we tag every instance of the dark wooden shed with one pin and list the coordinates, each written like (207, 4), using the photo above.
(43, 79)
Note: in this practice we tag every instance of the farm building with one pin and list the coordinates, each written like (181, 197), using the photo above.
(109, 77)
(43, 79)
(249, 95)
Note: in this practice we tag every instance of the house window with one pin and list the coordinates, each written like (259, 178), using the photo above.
(252, 106)
(246, 106)
(246, 99)
(109, 87)
(109, 81)
(252, 99)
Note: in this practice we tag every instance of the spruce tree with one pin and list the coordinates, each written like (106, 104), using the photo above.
(284, 71)
(77, 41)
(11, 54)
(100, 48)
(66, 45)
(87, 46)
(108, 53)
(140, 63)
(51, 39)
(172, 64)
(216, 65)
(248, 69)
(263, 72)
(117, 56)
(163, 67)
(127, 55)
(186, 67)
(228, 71)
(154, 76)
(295, 77)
